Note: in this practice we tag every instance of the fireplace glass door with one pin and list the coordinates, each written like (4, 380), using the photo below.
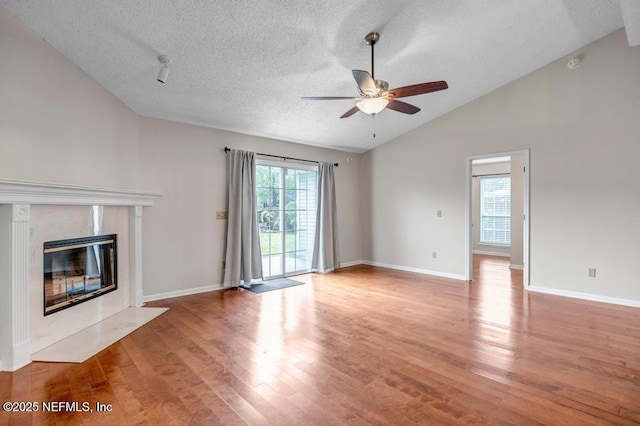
(286, 217)
(77, 270)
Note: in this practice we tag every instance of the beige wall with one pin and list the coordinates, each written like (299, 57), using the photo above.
(58, 125)
(582, 129)
(188, 164)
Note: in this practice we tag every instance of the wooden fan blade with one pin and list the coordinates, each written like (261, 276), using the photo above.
(365, 82)
(325, 98)
(417, 89)
(350, 112)
(404, 107)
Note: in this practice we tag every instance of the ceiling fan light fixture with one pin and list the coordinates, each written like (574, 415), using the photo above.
(372, 106)
(375, 94)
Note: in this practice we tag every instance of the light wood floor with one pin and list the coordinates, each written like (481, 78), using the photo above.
(361, 345)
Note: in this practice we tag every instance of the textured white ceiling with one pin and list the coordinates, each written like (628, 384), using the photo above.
(631, 17)
(243, 65)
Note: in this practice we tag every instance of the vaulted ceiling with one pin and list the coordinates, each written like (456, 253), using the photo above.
(244, 65)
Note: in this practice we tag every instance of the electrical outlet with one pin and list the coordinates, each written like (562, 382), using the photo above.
(439, 213)
(592, 272)
(221, 215)
(434, 254)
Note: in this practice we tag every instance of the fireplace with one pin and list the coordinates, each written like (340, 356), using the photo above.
(32, 213)
(77, 270)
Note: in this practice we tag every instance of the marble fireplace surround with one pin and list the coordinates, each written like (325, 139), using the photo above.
(16, 199)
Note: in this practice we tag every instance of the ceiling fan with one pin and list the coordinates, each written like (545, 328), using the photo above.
(375, 95)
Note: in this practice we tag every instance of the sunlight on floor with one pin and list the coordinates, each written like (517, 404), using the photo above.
(494, 330)
(282, 320)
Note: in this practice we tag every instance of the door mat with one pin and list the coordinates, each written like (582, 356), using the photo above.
(269, 285)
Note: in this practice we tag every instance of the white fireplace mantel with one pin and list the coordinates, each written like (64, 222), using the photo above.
(31, 192)
(16, 198)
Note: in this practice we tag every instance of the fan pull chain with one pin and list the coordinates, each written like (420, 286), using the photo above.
(373, 117)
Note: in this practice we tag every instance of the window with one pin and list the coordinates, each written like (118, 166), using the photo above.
(495, 210)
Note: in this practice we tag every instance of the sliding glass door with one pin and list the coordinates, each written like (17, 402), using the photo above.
(286, 217)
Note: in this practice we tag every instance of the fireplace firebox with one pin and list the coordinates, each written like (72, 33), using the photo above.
(77, 270)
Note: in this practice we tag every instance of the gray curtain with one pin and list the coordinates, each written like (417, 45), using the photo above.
(243, 258)
(325, 249)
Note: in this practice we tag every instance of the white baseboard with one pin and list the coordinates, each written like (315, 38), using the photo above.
(585, 296)
(512, 266)
(416, 270)
(491, 253)
(186, 292)
(190, 291)
(19, 356)
(354, 263)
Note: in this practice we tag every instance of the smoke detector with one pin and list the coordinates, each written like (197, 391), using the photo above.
(574, 62)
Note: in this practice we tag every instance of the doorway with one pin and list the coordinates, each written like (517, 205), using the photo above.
(286, 205)
(496, 220)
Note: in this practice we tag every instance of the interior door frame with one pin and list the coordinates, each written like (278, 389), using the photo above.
(525, 211)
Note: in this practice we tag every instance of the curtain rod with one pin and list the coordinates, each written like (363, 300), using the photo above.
(226, 149)
(492, 174)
